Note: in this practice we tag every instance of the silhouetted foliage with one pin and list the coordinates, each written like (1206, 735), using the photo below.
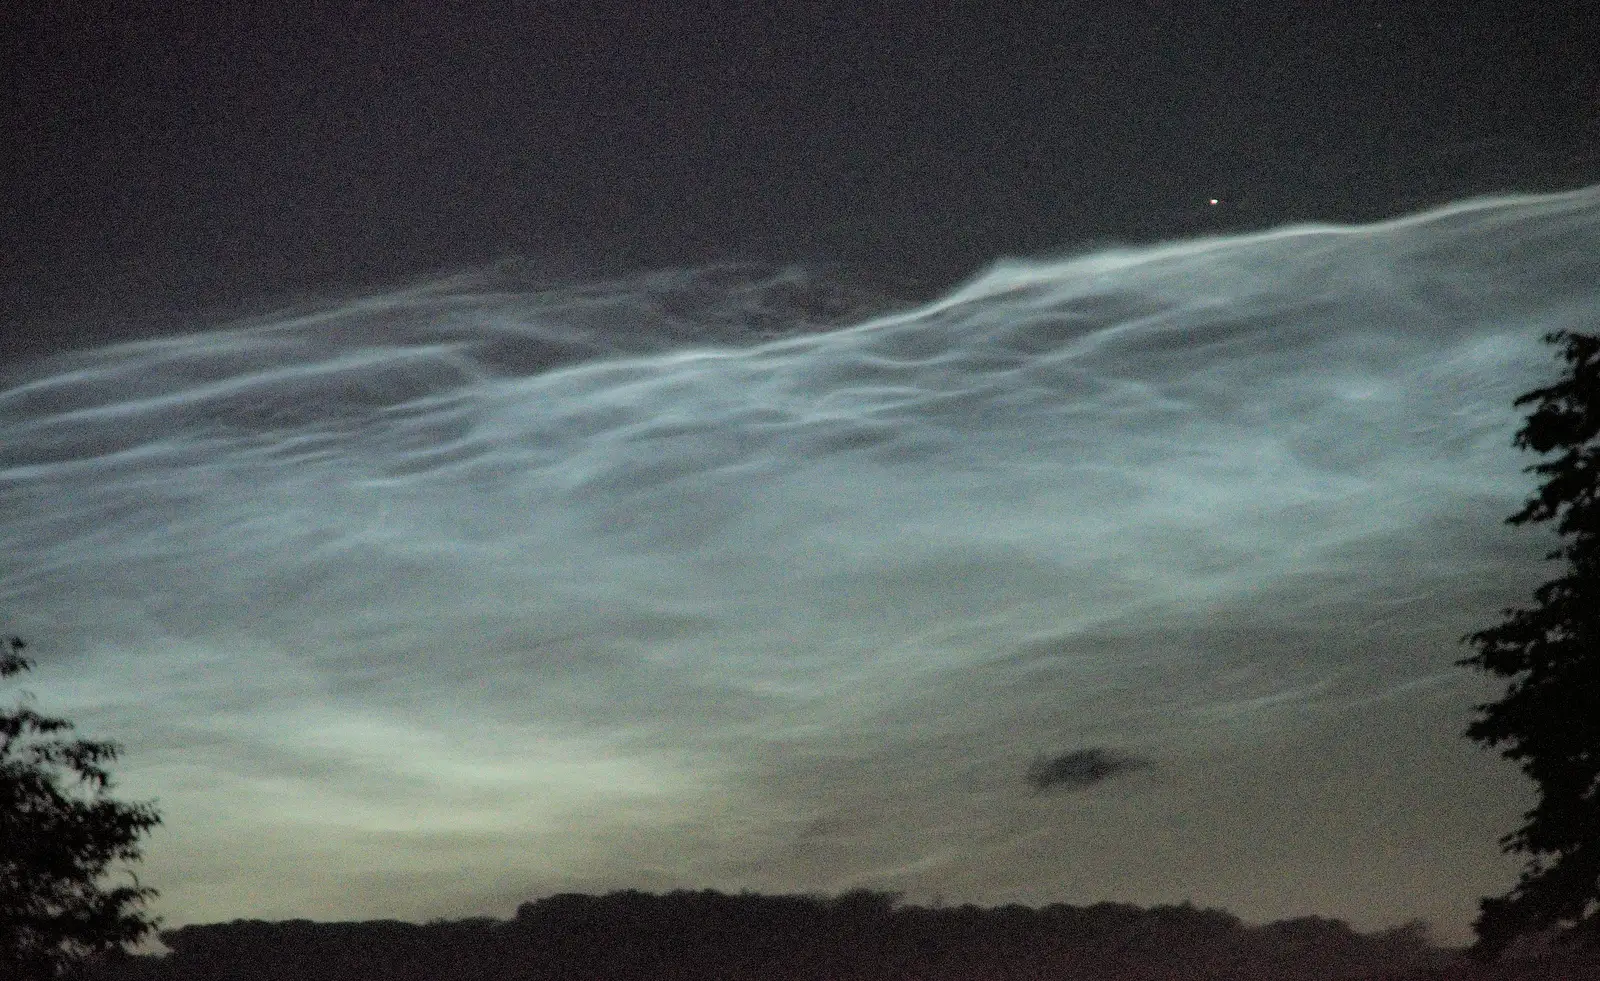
(60, 833)
(854, 937)
(1548, 720)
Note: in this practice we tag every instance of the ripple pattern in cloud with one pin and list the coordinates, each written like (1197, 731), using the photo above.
(582, 542)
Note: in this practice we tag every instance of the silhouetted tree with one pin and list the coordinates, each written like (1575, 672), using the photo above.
(860, 936)
(1549, 717)
(59, 834)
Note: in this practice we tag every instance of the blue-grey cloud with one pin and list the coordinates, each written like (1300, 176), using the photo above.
(1080, 768)
(550, 588)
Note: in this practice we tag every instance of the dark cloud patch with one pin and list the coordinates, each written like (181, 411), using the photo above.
(1080, 768)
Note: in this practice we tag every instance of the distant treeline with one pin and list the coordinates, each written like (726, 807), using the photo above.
(858, 935)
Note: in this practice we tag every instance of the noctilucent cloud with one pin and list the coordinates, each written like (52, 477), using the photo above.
(432, 602)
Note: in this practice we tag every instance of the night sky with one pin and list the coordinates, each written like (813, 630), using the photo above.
(1035, 455)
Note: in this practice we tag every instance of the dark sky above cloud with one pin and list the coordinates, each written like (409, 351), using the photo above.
(194, 157)
(512, 545)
